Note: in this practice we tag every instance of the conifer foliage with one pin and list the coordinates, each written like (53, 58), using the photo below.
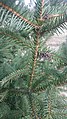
(28, 77)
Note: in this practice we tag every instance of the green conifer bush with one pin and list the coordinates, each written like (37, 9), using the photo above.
(28, 77)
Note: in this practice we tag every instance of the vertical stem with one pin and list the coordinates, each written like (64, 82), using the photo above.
(41, 9)
(34, 114)
(49, 104)
(35, 60)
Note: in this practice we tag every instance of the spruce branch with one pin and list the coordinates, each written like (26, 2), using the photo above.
(32, 79)
(15, 38)
(47, 17)
(11, 76)
(18, 15)
(17, 90)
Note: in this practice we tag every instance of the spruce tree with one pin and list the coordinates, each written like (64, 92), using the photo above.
(28, 77)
